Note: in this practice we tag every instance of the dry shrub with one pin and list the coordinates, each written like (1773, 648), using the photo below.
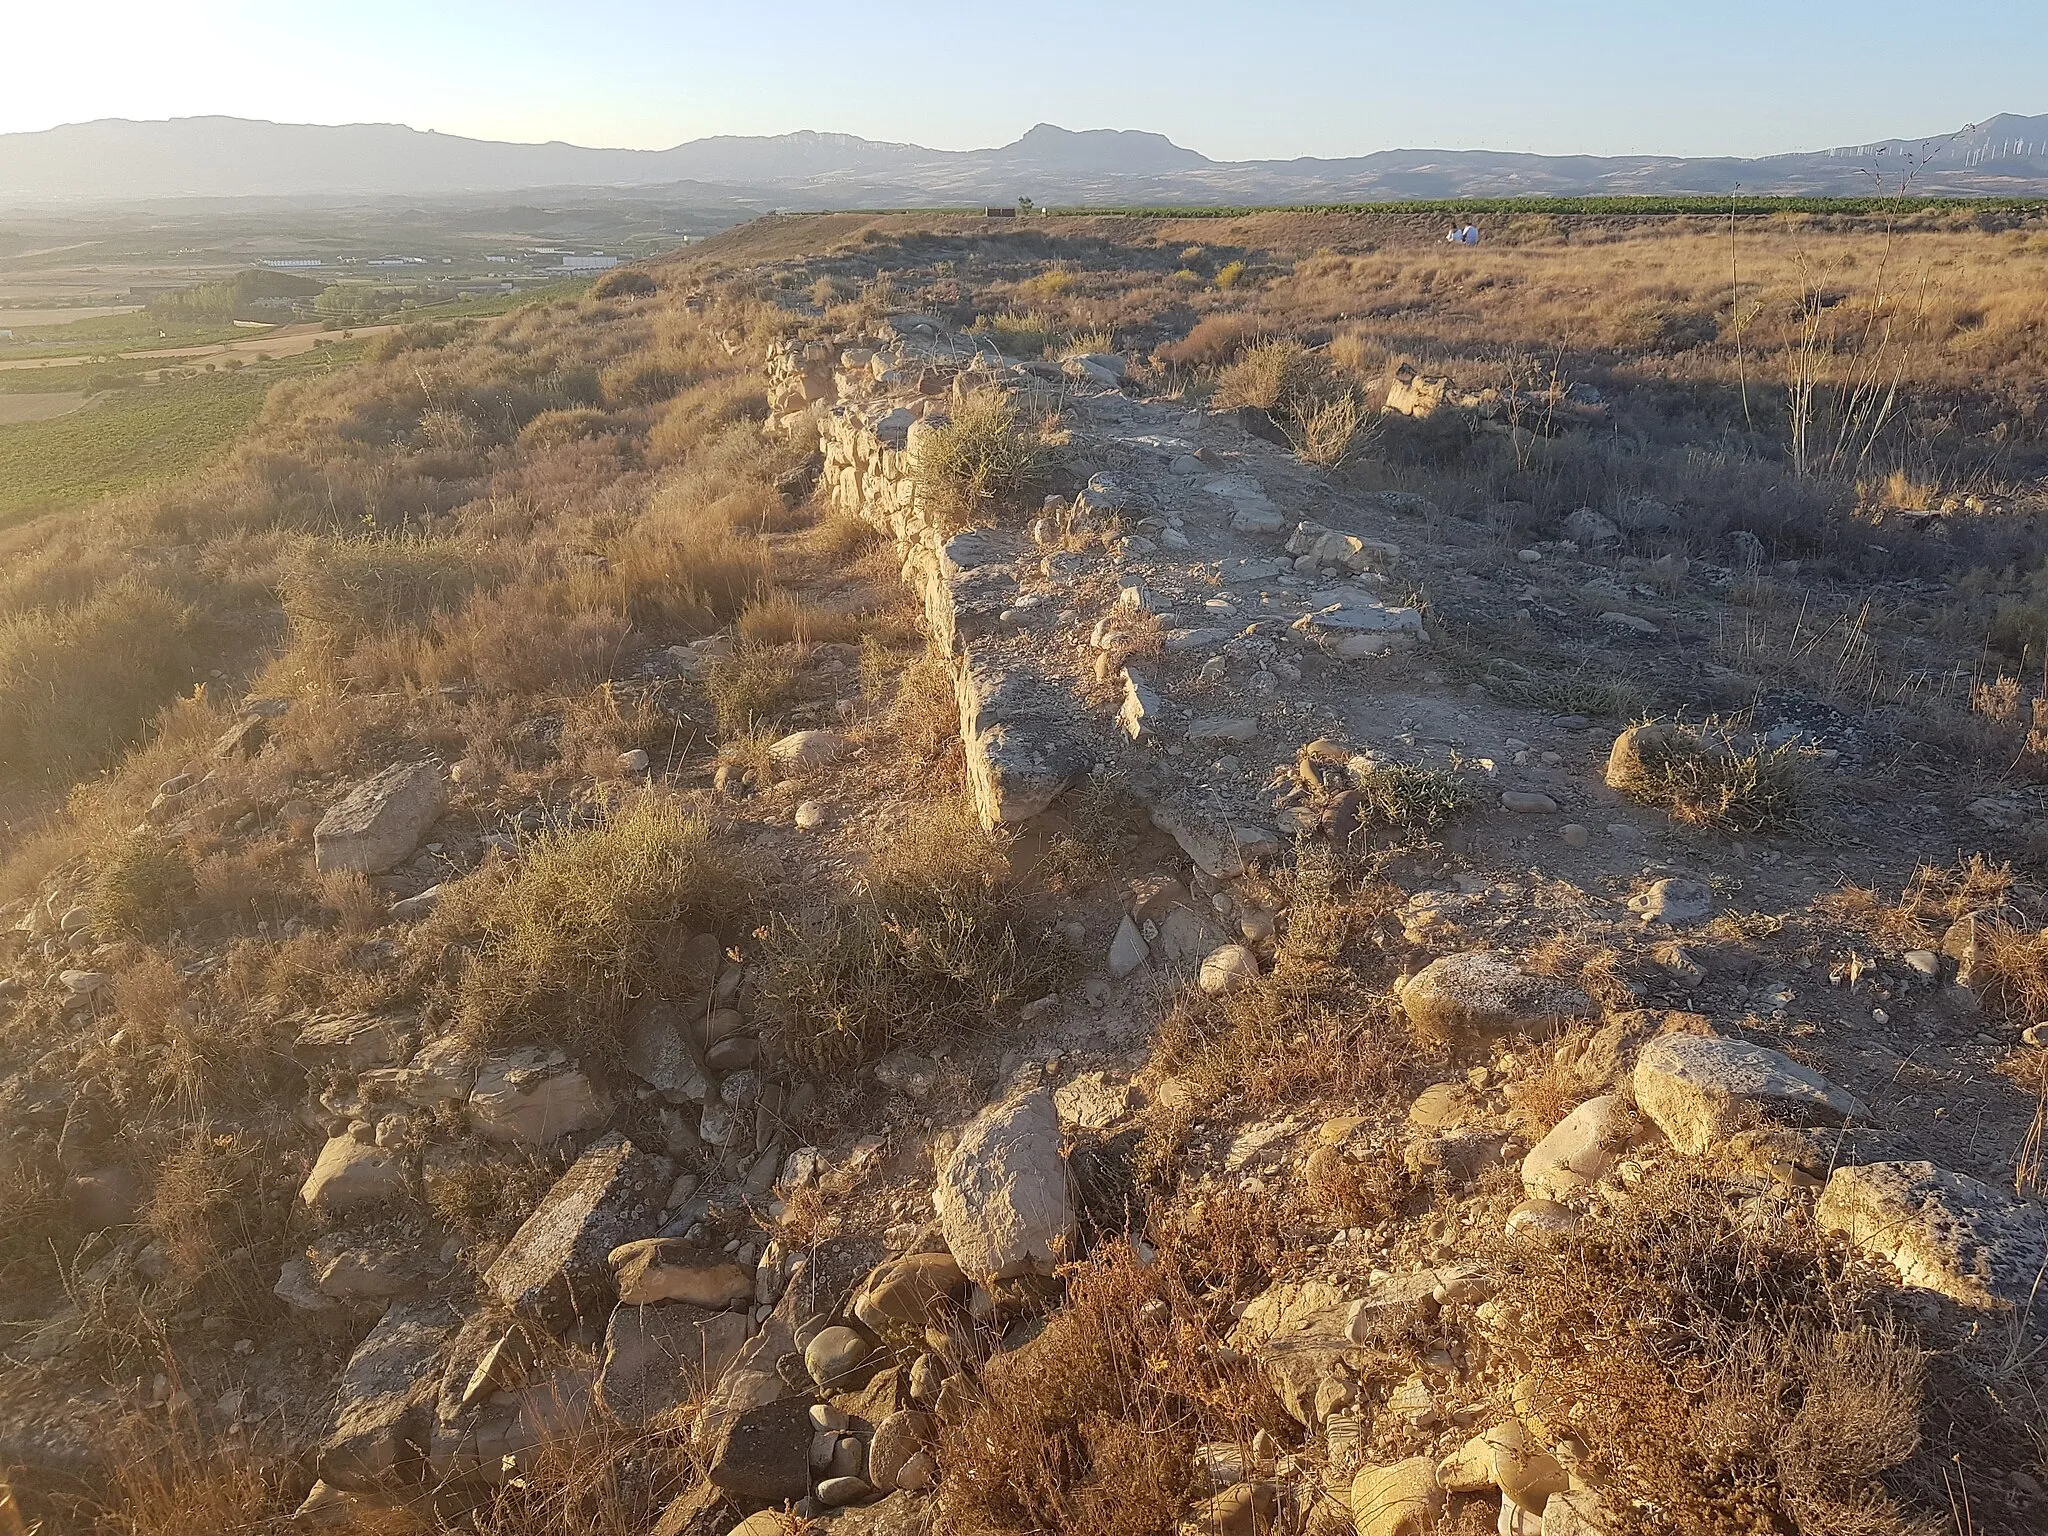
(783, 618)
(624, 283)
(142, 885)
(1710, 775)
(567, 937)
(218, 1214)
(935, 946)
(1092, 1425)
(553, 429)
(1722, 1377)
(338, 593)
(168, 1485)
(1933, 899)
(750, 687)
(1215, 341)
(2011, 974)
(76, 686)
(1321, 412)
(484, 1200)
(981, 462)
(1549, 1085)
(1299, 1033)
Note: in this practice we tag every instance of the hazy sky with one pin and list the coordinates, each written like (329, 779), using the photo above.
(1253, 79)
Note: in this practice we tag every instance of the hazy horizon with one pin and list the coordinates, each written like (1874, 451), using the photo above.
(1309, 79)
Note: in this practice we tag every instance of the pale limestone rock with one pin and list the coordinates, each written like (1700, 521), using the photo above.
(1701, 1089)
(1004, 1200)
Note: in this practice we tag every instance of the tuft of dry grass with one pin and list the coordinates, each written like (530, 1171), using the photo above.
(218, 1214)
(142, 885)
(1710, 775)
(77, 685)
(565, 938)
(934, 946)
(983, 462)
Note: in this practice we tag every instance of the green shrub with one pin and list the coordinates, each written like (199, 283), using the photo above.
(978, 461)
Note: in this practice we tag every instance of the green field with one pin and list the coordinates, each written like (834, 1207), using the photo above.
(128, 440)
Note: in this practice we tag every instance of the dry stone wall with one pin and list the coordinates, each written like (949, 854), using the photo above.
(1185, 529)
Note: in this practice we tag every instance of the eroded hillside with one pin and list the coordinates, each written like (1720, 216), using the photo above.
(908, 879)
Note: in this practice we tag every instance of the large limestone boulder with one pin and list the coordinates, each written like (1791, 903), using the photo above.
(383, 1405)
(1004, 1201)
(555, 1267)
(1942, 1231)
(1472, 996)
(351, 1174)
(533, 1096)
(1701, 1089)
(376, 826)
(657, 1359)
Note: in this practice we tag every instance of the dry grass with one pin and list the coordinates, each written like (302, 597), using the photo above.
(1720, 1377)
(567, 937)
(981, 464)
(750, 688)
(934, 947)
(1712, 776)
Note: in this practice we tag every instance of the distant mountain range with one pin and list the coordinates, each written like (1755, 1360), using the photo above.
(115, 160)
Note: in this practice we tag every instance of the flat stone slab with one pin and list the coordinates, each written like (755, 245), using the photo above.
(555, 1268)
(1700, 1090)
(659, 1358)
(383, 1405)
(1942, 1231)
(376, 826)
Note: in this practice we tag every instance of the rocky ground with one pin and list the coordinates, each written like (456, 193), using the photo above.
(1436, 1115)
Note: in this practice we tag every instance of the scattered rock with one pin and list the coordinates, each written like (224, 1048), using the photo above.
(1580, 1149)
(656, 1269)
(1701, 1089)
(351, 1174)
(657, 1359)
(1477, 994)
(384, 1400)
(1127, 950)
(1674, 901)
(809, 749)
(555, 1268)
(1398, 1500)
(534, 1095)
(1527, 803)
(762, 1454)
(1228, 969)
(1003, 1199)
(378, 824)
(834, 1357)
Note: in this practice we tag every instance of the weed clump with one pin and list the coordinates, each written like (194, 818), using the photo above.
(982, 459)
(1710, 776)
(142, 885)
(935, 945)
(1725, 1376)
(567, 938)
